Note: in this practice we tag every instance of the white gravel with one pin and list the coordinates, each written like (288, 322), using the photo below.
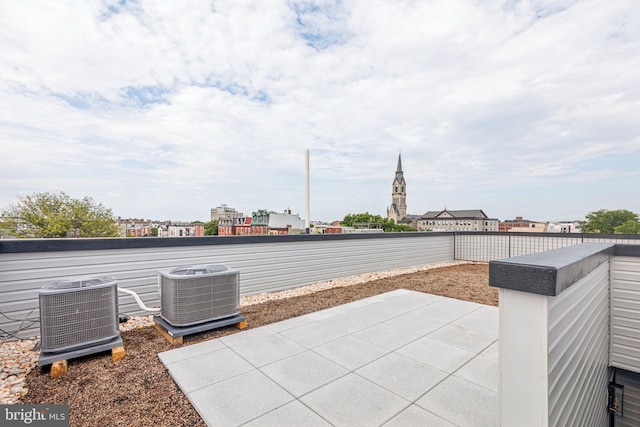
(17, 358)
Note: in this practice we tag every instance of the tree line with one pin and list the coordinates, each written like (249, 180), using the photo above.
(57, 215)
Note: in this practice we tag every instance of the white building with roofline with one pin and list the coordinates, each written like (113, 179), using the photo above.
(457, 220)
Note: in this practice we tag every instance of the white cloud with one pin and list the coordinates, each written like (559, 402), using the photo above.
(166, 109)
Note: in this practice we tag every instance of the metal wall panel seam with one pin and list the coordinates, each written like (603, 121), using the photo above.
(625, 348)
(568, 349)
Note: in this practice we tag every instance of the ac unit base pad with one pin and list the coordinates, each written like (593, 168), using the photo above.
(50, 358)
(174, 334)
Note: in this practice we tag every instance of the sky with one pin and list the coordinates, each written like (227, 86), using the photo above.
(165, 109)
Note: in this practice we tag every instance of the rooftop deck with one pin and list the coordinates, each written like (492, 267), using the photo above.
(400, 358)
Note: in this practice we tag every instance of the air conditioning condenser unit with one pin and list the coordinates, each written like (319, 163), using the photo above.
(78, 313)
(195, 294)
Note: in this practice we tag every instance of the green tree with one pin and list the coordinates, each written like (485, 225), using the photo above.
(211, 228)
(609, 222)
(392, 227)
(628, 227)
(386, 224)
(58, 215)
(351, 219)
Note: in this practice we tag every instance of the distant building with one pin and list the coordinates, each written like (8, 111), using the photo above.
(410, 220)
(224, 212)
(235, 226)
(269, 222)
(445, 220)
(397, 212)
(183, 229)
(367, 225)
(457, 220)
(262, 222)
(326, 229)
(135, 227)
(522, 225)
(398, 209)
(564, 227)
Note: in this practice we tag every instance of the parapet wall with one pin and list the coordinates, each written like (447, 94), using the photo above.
(554, 334)
(266, 263)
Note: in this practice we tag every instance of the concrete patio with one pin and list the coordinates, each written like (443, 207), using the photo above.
(398, 359)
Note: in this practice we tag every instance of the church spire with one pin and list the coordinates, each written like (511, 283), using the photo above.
(398, 208)
(399, 174)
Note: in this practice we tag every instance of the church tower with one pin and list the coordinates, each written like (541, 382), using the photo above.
(398, 208)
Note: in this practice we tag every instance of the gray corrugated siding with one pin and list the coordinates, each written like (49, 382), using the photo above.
(625, 313)
(578, 342)
(264, 267)
(631, 399)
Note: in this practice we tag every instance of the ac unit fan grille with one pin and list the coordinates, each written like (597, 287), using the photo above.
(198, 299)
(78, 319)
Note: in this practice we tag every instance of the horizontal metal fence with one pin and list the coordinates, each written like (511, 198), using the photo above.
(489, 246)
(266, 264)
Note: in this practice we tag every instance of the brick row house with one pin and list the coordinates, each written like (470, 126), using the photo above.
(261, 223)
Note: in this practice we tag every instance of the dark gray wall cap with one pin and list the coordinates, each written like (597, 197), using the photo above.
(56, 245)
(626, 250)
(550, 272)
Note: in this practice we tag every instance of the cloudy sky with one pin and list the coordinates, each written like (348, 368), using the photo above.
(165, 109)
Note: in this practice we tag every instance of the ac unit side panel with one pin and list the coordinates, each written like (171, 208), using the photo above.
(71, 320)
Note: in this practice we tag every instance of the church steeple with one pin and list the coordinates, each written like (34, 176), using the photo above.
(398, 208)
(399, 173)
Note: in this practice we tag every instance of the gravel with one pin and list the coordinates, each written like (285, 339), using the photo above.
(138, 391)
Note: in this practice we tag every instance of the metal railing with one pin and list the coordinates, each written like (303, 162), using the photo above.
(488, 246)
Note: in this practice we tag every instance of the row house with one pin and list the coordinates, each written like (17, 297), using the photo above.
(235, 226)
(135, 227)
(326, 229)
(269, 222)
(262, 223)
(522, 225)
(181, 230)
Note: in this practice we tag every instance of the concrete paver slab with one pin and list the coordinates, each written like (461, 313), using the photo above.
(403, 376)
(186, 352)
(351, 352)
(208, 368)
(267, 349)
(461, 402)
(354, 401)
(481, 370)
(239, 399)
(414, 416)
(462, 337)
(440, 355)
(303, 372)
(293, 414)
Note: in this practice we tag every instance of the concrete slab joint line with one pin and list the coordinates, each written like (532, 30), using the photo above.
(432, 363)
